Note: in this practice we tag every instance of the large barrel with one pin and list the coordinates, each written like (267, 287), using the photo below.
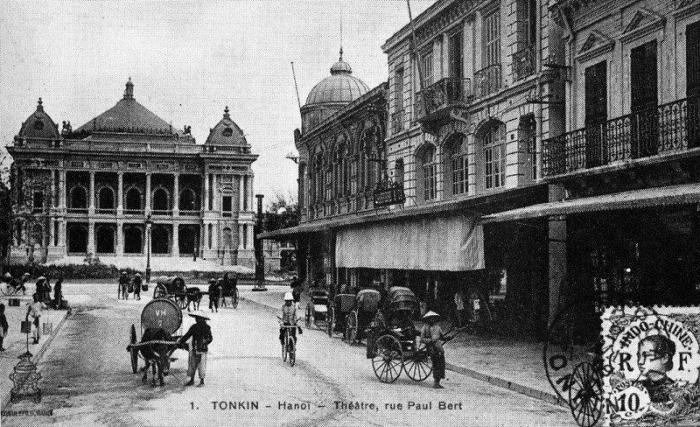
(161, 313)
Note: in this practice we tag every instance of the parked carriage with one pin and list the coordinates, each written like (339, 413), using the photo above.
(366, 306)
(392, 343)
(160, 314)
(173, 288)
(317, 308)
(342, 305)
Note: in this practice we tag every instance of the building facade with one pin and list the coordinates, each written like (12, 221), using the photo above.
(101, 190)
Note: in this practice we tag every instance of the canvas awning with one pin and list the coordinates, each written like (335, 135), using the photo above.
(634, 199)
(450, 243)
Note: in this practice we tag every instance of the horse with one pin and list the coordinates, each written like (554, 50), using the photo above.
(157, 356)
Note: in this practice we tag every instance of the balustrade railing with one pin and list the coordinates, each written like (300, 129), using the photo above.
(524, 62)
(161, 212)
(105, 211)
(443, 93)
(77, 210)
(668, 128)
(487, 80)
(188, 212)
(134, 212)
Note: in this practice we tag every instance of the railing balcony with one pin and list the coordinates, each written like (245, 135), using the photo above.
(161, 212)
(669, 128)
(188, 212)
(133, 212)
(441, 95)
(487, 80)
(106, 211)
(397, 121)
(524, 62)
(77, 211)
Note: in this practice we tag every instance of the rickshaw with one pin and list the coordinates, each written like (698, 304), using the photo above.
(366, 306)
(174, 288)
(317, 308)
(337, 313)
(392, 345)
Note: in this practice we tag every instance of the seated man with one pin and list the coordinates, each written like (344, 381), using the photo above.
(288, 317)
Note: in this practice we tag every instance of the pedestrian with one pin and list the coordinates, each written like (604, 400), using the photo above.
(46, 299)
(23, 282)
(123, 286)
(4, 327)
(34, 310)
(213, 295)
(138, 282)
(58, 292)
(234, 289)
(40, 288)
(296, 294)
(201, 338)
(433, 337)
(459, 308)
(223, 290)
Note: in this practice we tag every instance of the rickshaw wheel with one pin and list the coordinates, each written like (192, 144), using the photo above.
(182, 301)
(351, 327)
(585, 395)
(330, 320)
(308, 316)
(388, 359)
(420, 365)
(134, 352)
(159, 291)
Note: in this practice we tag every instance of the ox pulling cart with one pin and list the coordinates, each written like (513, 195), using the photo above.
(174, 288)
(160, 320)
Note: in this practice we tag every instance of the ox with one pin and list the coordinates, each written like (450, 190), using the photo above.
(194, 296)
(157, 356)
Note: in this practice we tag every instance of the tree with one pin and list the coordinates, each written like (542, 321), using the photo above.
(282, 212)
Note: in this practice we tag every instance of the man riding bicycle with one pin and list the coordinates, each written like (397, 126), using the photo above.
(289, 317)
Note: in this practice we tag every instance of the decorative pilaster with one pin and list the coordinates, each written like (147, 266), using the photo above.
(148, 193)
(91, 238)
(176, 241)
(205, 202)
(120, 235)
(176, 194)
(92, 193)
(62, 189)
(241, 194)
(120, 193)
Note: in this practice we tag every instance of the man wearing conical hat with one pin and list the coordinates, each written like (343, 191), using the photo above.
(433, 336)
(201, 338)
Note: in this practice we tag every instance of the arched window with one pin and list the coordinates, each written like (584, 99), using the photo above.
(133, 199)
(493, 143)
(104, 235)
(428, 171)
(455, 166)
(106, 198)
(77, 238)
(339, 170)
(133, 239)
(160, 239)
(78, 197)
(188, 200)
(160, 200)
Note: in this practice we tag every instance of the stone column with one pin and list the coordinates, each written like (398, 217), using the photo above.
(120, 193)
(176, 240)
(240, 193)
(120, 238)
(176, 194)
(205, 199)
(148, 193)
(91, 238)
(54, 202)
(62, 189)
(92, 193)
(251, 196)
(62, 233)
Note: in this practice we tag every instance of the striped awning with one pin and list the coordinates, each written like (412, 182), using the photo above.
(682, 194)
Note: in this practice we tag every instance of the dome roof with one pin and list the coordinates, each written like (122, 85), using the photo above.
(339, 87)
(128, 116)
(226, 132)
(39, 125)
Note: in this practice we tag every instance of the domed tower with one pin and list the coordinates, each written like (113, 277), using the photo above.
(38, 126)
(331, 94)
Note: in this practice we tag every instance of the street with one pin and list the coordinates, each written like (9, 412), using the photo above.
(87, 379)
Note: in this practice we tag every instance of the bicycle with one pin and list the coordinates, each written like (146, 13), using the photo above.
(289, 345)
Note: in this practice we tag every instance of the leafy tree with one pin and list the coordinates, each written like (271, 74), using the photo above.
(282, 212)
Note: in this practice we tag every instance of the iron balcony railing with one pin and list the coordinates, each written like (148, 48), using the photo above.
(668, 128)
(161, 212)
(442, 94)
(77, 210)
(397, 121)
(106, 211)
(189, 212)
(134, 212)
(524, 62)
(487, 80)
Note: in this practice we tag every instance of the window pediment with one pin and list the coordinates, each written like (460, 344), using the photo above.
(596, 44)
(643, 22)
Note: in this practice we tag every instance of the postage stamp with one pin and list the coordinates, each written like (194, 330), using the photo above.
(650, 366)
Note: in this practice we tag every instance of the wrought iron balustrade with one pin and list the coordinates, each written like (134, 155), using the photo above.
(444, 93)
(133, 212)
(397, 121)
(77, 211)
(161, 212)
(524, 62)
(106, 211)
(487, 80)
(668, 128)
(189, 212)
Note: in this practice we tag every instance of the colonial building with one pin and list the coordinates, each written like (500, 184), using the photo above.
(624, 174)
(473, 90)
(102, 189)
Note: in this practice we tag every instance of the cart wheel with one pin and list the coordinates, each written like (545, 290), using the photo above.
(134, 352)
(585, 395)
(182, 301)
(308, 317)
(330, 320)
(351, 328)
(388, 359)
(420, 366)
(159, 291)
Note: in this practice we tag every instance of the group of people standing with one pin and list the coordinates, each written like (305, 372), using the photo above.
(219, 289)
(128, 285)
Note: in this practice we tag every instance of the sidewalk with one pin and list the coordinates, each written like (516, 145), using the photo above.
(516, 366)
(15, 343)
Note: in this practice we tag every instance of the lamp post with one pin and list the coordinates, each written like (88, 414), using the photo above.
(148, 223)
(258, 246)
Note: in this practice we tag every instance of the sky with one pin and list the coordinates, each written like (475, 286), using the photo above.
(189, 59)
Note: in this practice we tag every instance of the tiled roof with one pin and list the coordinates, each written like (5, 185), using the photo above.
(39, 125)
(127, 116)
(226, 132)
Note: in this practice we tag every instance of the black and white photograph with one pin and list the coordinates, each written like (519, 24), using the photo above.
(350, 213)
